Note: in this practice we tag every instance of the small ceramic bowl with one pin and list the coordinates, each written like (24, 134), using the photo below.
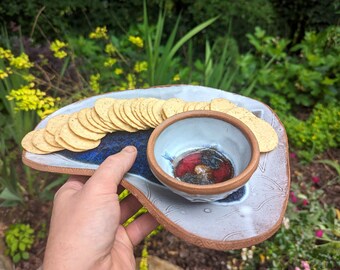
(195, 130)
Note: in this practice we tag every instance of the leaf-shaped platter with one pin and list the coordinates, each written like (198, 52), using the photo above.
(247, 217)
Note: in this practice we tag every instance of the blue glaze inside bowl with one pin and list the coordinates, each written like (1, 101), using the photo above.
(115, 142)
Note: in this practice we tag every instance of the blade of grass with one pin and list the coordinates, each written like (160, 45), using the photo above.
(170, 50)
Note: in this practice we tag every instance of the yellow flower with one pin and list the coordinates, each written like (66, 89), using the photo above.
(110, 49)
(118, 71)
(131, 81)
(21, 62)
(137, 41)
(141, 66)
(27, 98)
(5, 54)
(3, 74)
(56, 47)
(60, 54)
(110, 62)
(262, 258)
(176, 78)
(94, 84)
(100, 32)
(29, 77)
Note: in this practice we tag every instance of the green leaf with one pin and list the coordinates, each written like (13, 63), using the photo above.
(259, 32)
(331, 163)
(8, 195)
(16, 258)
(22, 247)
(25, 255)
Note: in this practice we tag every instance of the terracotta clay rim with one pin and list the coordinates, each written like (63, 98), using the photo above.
(226, 186)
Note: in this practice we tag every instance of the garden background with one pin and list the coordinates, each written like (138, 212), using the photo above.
(284, 53)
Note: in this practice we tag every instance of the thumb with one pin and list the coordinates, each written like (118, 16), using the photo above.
(109, 174)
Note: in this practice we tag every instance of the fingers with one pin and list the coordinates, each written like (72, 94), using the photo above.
(128, 207)
(72, 185)
(109, 174)
(140, 228)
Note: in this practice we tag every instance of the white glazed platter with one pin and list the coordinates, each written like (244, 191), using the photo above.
(232, 224)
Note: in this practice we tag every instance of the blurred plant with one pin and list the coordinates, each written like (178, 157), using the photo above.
(291, 79)
(138, 59)
(22, 104)
(331, 163)
(310, 234)
(219, 67)
(143, 265)
(305, 74)
(19, 239)
(315, 134)
(162, 59)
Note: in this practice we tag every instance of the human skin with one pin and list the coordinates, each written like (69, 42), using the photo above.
(86, 231)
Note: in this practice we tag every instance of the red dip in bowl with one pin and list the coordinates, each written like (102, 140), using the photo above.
(203, 167)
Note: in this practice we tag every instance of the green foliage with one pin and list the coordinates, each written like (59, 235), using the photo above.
(305, 74)
(219, 68)
(75, 17)
(316, 134)
(296, 17)
(297, 241)
(331, 163)
(143, 265)
(242, 14)
(161, 59)
(41, 18)
(19, 239)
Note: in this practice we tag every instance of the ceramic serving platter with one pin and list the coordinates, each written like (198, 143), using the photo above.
(247, 217)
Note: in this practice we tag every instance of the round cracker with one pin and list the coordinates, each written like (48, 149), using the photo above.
(173, 106)
(126, 112)
(207, 107)
(27, 144)
(99, 121)
(186, 106)
(221, 105)
(116, 118)
(156, 111)
(40, 142)
(125, 119)
(191, 106)
(75, 125)
(76, 141)
(94, 123)
(50, 139)
(200, 105)
(239, 112)
(60, 141)
(135, 110)
(142, 111)
(265, 134)
(102, 107)
(55, 122)
(149, 112)
(82, 117)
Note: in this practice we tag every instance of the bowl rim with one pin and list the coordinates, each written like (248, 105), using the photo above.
(194, 189)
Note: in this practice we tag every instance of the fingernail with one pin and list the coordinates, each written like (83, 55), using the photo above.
(129, 149)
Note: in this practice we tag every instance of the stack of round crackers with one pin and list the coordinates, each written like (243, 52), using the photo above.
(83, 130)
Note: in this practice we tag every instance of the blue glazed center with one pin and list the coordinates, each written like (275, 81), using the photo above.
(114, 142)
